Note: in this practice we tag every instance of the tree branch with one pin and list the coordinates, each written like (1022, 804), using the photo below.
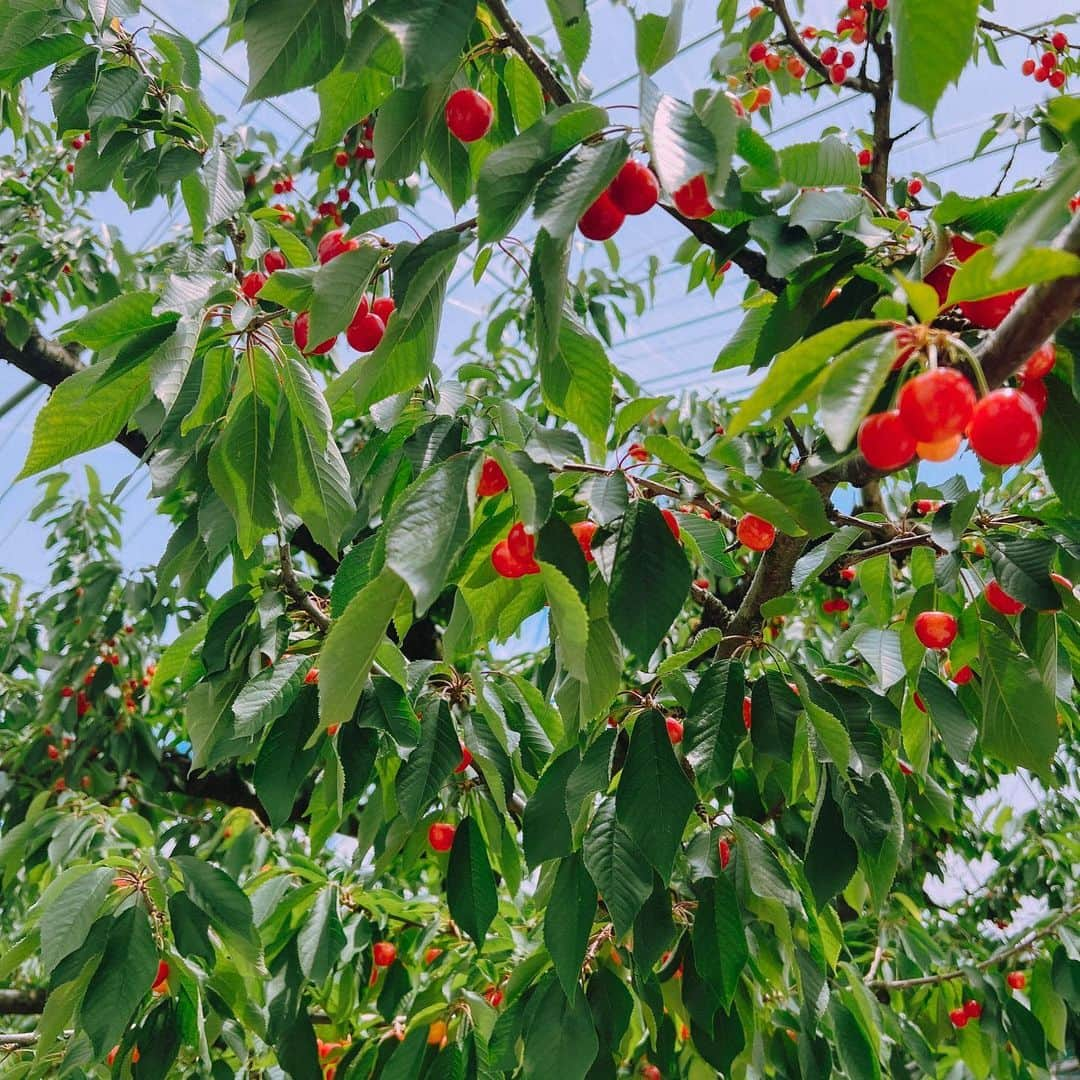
(536, 63)
(1003, 954)
(809, 57)
(877, 182)
(1010, 31)
(303, 598)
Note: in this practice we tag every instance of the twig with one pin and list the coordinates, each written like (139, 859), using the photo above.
(797, 439)
(298, 593)
(1009, 31)
(812, 60)
(1006, 953)
(891, 547)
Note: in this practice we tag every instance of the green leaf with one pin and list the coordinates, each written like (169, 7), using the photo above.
(820, 558)
(656, 38)
(429, 527)
(405, 119)
(714, 723)
(681, 146)
(931, 52)
(270, 694)
(82, 415)
(430, 34)
(1019, 714)
(286, 758)
(291, 44)
(470, 884)
(795, 375)
(240, 470)
(851, 385)
(828, 163)
(980, 275)
(320, 940)
(857, 1055)
(344, 96)
(821, 212)
(1061, 430)
(224, 188)
(526, 97)
(875, 579)
(619, 870)
(337, 289)
(118, 95)
(310, 472)
(115, 322)
(226, 904)
(575, 184)
(429, 765)
(449, 164)
(350, 647)
(122, 980)
(720, 948)
(881, 649)
(545, 826)
(510, 174)
(831, 855)
(568, 920)
(69, 915)
(1022, 568)
(573, 28)
(570, 619)
(654, 798)
(956, 729)
(576, 382)
(641, 618)
(560, 1037)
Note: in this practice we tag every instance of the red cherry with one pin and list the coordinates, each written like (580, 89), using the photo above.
(431, 955)
(959, 1018)
(1028, 67)
(1016, 979)
(885, 441)
(963, 676)
(1001, 601)
(110, 1057)
(972, 1009)
(796, 68)
(919, 703)
(942, 450)
(865, 158)
(757, 52)
(724, 850)
(936, 404)
(334, 244)
(692, 199)
(829, 55)
(344, 195)
(845, 24)
(988, 314)
(466, 760)
(651, 1072)
(441, 836)
(333, 729)
(702, 583)
(521, 542)
(847, 573)
(584, 531)
(384, 307)
(505, 564)
(493, 996)
(1059, 41)
(312, 677)
(772, 61)
(602, 220)
(1041, 74)
(468, 115)
(905, 768)
(1062, 580)
(847, 58)
(341, 159)
(1005, 427)
(492, 479)
(1048, 60)
(1040, 362)
(384, 953)
(7, 297)
(837, 74)
(672, 522)
(926, 506)
(635, 189)
(674, 730)
(300, 335)
(52, 752)
(161, 978)
(755, 533)
(252, 283)
(67, 691)
(1036, 390)
(747, 716)
(914, 187)
(365, 332)
(935, 629)
(279, 187)
(939, 279)
(637, 452)
(1057, 79)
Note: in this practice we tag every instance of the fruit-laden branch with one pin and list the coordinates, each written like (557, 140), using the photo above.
(751, 263)
(780, 9)
(21, 1002)
(50, 363)
(1003, 954)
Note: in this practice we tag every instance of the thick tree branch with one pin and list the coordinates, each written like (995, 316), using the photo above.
(877, 182)
(293, 587)
(536, 63)
(21, 1002)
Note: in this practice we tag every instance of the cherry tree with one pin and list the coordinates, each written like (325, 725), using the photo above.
(485, 715)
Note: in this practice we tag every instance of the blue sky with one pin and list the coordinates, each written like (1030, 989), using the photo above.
(671, 347)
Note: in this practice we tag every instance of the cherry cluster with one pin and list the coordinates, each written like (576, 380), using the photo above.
(635, 190)
(1048, 67)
